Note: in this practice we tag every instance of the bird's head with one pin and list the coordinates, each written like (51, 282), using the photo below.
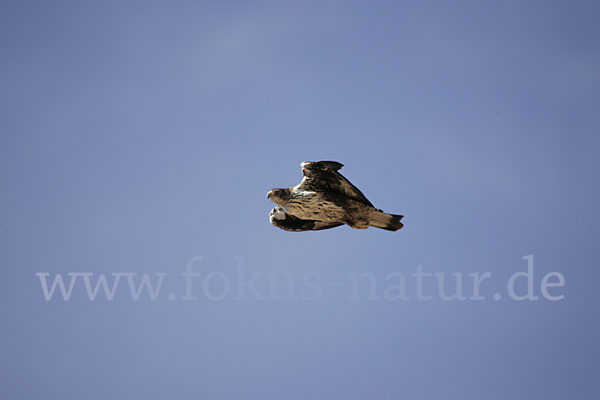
(279, 196)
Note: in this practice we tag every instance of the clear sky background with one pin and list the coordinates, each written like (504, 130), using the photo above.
(137, 135)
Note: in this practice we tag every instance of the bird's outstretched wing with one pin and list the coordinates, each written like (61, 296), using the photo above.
(323, 176)
(283, 220)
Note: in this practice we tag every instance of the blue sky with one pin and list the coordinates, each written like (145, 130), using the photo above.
(138, 136)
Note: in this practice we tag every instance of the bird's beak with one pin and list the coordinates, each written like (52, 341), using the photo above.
(269, 194)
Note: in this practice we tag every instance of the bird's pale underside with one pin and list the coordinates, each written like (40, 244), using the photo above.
(325, 199)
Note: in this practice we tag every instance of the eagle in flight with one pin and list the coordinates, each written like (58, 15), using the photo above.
(325, 199)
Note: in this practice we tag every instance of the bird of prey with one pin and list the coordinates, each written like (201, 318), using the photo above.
(325, 199)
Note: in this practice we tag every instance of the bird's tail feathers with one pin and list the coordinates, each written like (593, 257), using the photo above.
(389, 222)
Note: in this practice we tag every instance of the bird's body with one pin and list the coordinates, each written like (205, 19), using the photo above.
(325, 199)
(324, 206)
